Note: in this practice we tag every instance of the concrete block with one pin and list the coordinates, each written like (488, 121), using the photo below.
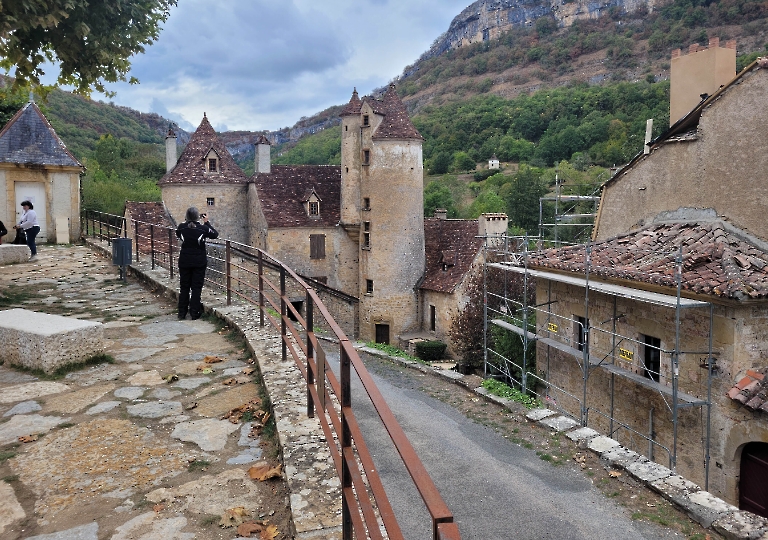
(13, 253)
(647, 471)
(539, 414)
(559, 423)
(741, 526)
(582, 434)
(602, 444)
(675, 487)
(621, 457)
(47, 342)
(704, 507)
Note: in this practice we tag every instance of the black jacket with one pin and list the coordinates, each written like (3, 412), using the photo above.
(192, 235)
(3, 230)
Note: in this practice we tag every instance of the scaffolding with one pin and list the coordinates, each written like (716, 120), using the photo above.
(642, 361)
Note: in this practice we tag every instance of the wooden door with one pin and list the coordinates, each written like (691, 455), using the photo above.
(753, 483)
(382, 333)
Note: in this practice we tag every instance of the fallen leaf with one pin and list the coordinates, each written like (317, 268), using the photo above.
(234, 517)
(28, 438)
(614, 474)
(158, 508)
(270, 532)
(248, 528)
(248, 370)
(171, 378)
(212, 359)
(191, 406)
(263, 471)
(230, 382)
(207, 371)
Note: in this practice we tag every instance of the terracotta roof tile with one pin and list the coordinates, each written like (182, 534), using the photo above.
(283, 191)
(28, 138)
(711, 254)
(751, 390)
(354, 105)
(147, 214)
(191, 166)
(451, 246)
(396, 123)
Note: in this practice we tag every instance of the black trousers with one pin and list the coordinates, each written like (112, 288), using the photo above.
(190, 287)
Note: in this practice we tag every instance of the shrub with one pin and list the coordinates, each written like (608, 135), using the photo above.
(430, 351)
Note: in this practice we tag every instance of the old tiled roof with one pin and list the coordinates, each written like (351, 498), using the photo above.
(396, 123)
(451, 246)
(752, 390)
(354, 105)
(28, 138)
(718, 259)
(191, 166)
(283, 191)
(153, 213)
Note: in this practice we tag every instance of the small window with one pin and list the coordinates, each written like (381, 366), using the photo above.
(314, 208)
(366, 121)
(366, 157)
(346, 128)
(580, 332)
(210, 201)
(317, 246)
(651, 357)
(369, 286)
(366, 235)
(213, 165)
(366, 203)
(432, 318)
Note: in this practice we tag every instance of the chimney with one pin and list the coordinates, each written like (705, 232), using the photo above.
(170, 150)
(441, 213)
(701, 71)
(261, 162)
(493, 227)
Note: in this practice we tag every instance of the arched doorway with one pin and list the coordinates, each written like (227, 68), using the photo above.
(753, 483)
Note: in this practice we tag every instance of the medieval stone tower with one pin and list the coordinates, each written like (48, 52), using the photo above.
(382, 210)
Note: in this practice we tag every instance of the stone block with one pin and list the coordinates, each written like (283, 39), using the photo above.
(13, 253)
(741, 526)
(582, 434)
(539, 414)
(621, 457)
(647, 471)
(559, 423)
(47, 342)
(704, 507)
(602, 444)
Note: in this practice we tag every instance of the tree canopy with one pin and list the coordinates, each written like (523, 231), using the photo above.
(90, 41)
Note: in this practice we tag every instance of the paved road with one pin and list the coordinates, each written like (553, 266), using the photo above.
(496, 489)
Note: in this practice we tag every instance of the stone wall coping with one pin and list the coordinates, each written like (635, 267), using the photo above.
(41, 324)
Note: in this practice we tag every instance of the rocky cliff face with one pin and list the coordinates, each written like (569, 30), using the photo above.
(488, 19)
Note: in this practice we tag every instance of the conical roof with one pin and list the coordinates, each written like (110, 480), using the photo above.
(396, 123)
(191, 166)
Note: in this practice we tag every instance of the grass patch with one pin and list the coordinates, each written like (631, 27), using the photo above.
(11, 478)
(14, 295)
(65, 425)
(6, 455)
(498, 388)
(392, 351)
(198, 465)
(64, 370)
(207, 521)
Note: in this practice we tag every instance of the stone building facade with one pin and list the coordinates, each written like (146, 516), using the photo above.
(690, 206)
(357, 229)
(35, 165)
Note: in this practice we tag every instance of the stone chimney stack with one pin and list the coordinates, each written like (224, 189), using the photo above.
(262, 163)
(493, 227)
(699, 74)
(441, 213)
(170, 150)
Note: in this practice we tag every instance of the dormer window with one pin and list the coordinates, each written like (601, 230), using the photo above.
(314, 208)
(312, 204)
(212, 162)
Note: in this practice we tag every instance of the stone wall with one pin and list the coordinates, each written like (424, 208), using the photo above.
(229, 214)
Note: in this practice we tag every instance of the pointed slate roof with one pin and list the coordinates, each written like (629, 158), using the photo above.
(450, 245)
(354, 105)
(283, 192)
(191, 166)
(396, 124)
(718, 259)
(29, 139)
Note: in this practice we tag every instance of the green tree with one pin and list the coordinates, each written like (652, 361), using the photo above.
(523, 199)
(440, 163)
(438, 195)
(462, 162)
(91, 41)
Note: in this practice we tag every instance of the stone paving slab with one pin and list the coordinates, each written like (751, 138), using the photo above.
(559, 423)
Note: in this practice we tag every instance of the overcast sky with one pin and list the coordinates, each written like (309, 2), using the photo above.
(263, 64)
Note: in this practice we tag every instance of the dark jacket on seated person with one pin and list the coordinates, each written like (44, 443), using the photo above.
(192, 235)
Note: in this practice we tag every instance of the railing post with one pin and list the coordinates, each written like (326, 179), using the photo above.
(101, 236)
(261, 288)
(347, 528)
(152, 244)
(170, 251)
(283, 314)
(124, 227)
(136, 234)
(310, 356)
(228, 270)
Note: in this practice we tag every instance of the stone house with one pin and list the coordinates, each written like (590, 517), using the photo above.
(35, 165)
(661, 320)
(357, 228)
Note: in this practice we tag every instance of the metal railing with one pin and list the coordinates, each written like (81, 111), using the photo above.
(254, 276)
